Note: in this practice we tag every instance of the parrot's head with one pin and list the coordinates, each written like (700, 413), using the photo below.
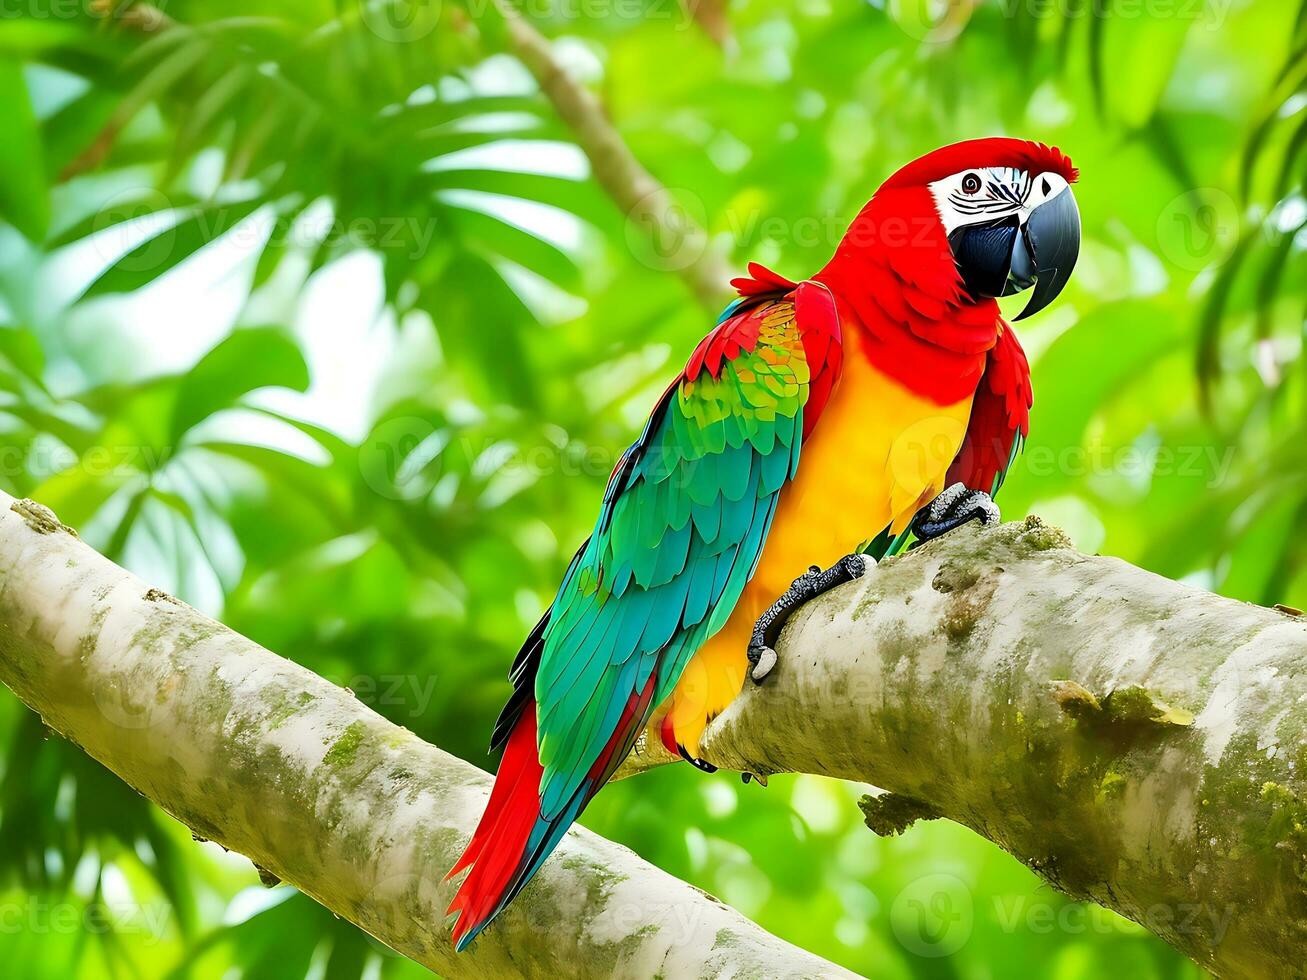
(986, 218)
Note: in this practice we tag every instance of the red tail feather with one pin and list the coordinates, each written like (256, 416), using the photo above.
(497, 851)
(502, 834)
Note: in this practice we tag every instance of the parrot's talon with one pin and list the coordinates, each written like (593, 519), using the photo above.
(697, 763)
(954, 507)
(809, 585)
(762, 664)
(761, 780)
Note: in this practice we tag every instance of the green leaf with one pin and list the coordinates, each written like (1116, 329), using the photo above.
(349, 955)
(137, 204)
(113, 550)
(31, 36)
(257, 357)
(201, 124)
(1139, 57)
(70, 130)
(24, 197)
(492, 23)
(274, 250)
(1069, 396)
(296, 480)
(419, 120)
(578, 197)
(499, 238)
(159, 253)
(22, 349)
(472, 291)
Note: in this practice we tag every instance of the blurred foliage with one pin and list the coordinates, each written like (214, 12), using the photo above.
(313, 314)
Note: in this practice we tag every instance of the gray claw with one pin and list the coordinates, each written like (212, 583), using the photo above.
(763, 667)
(809, 585)
(954, 507)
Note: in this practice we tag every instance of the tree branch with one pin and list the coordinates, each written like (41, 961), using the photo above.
(676, 241)
(1133, 740)
(272, 761)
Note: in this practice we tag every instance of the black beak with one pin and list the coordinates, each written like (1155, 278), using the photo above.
(1006, 257)
(1053, 235)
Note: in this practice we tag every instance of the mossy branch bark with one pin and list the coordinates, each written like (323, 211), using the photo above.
(276, 763)
(1135, 741)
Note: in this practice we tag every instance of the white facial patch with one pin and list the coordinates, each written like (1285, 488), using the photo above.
(984, 194)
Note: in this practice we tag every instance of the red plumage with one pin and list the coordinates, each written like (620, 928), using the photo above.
(761, 281)
(989, 151)
(823, 347)
(503, 831)
(894, 270)
(1000, 415)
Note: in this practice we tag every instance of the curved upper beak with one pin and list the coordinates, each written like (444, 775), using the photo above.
(1010, 255)
(1052, 234)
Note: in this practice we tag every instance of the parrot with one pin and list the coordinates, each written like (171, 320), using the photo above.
(818, 426)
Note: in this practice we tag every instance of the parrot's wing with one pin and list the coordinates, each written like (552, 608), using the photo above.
(1000, 417)
(682, 525)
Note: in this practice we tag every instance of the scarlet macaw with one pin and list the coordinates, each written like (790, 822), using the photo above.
(813, 416)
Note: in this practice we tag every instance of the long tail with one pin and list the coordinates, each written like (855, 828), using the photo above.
(512, 840)
(497, 852)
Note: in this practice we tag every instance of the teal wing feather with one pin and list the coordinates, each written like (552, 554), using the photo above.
(682, 526)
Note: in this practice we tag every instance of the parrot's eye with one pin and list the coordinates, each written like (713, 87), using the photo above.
(970, 183)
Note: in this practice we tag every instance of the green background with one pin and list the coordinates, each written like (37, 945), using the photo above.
(314, 315)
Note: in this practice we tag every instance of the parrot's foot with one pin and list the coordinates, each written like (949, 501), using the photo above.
(951, 509)
(809, 585)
